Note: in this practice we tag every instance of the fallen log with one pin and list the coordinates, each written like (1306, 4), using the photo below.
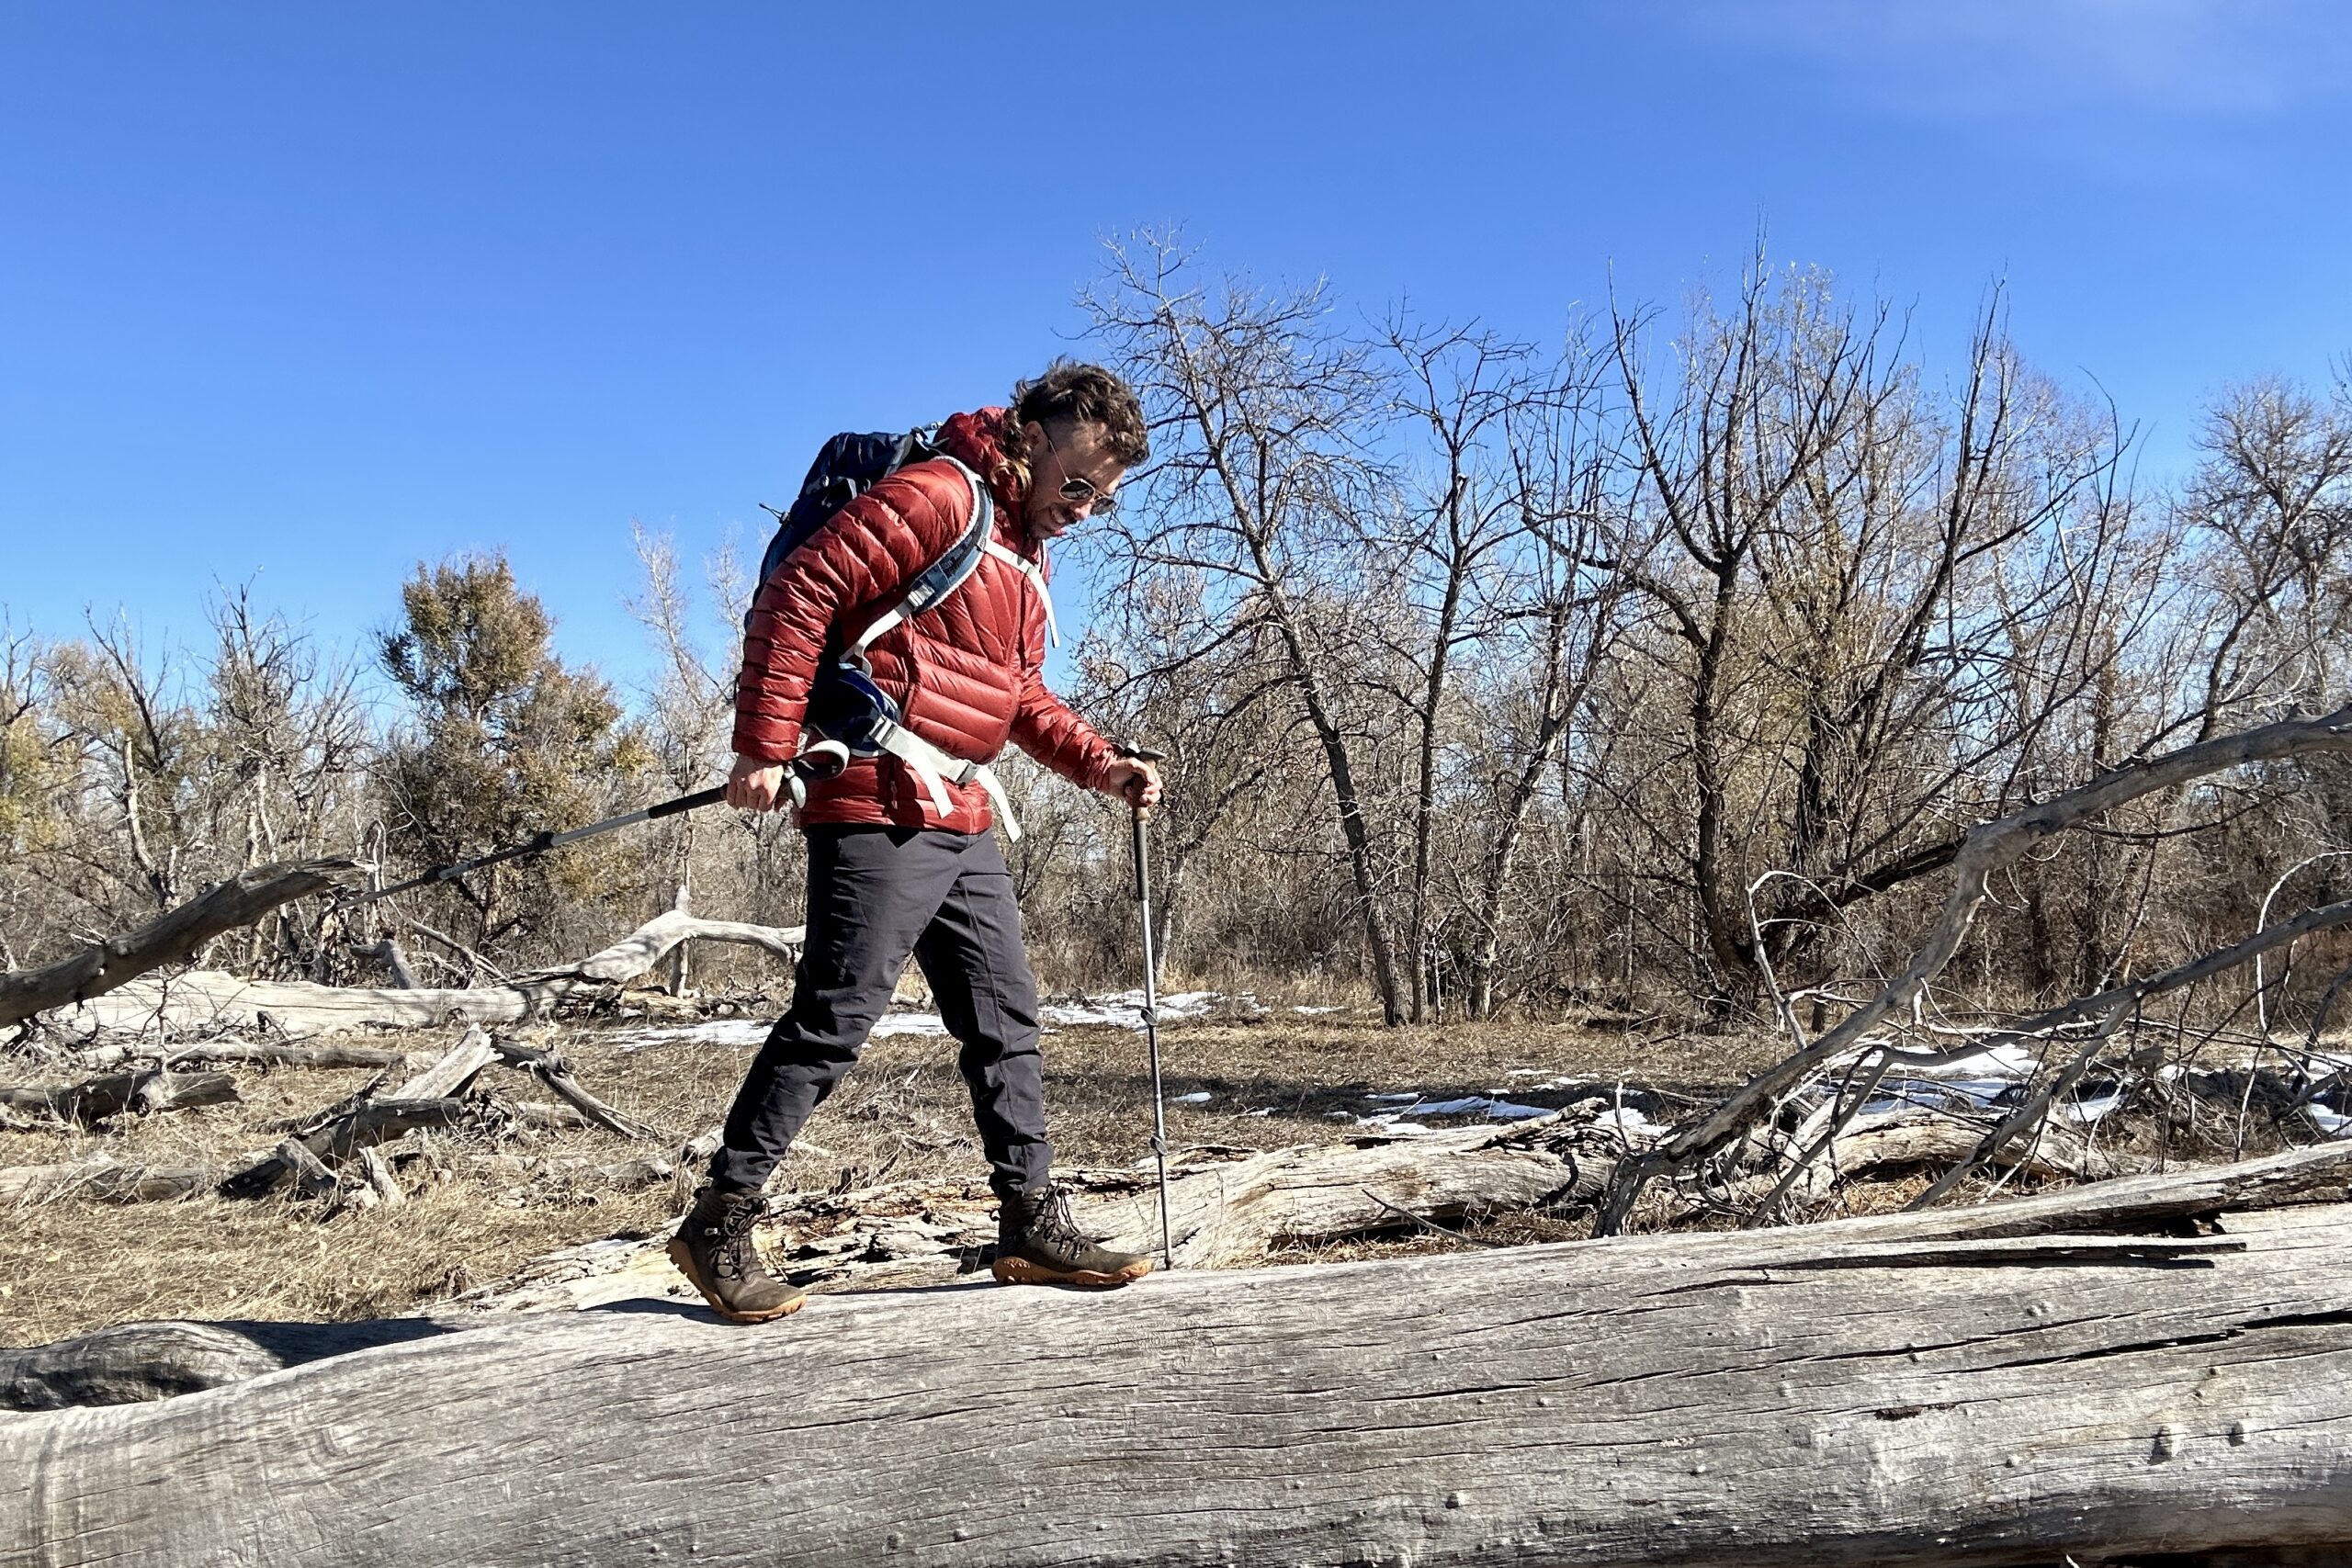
(245, 1053)
(1824, 1394)
(639, 952)
(207, 999)
(134, 1362)
(107, 965)
(550, 1068)
(456, 1068)
(1912, 1138)
(1223, 1212)
(148, 1092)
(105, 1179)
(377, 1122)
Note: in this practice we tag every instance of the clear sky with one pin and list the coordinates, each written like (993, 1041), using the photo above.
(314, 292)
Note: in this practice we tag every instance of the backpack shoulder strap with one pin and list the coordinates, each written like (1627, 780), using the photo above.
(942, 576)
(1029, 570)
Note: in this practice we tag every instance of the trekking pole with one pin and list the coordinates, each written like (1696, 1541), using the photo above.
(818, 763)
(1152, 1005)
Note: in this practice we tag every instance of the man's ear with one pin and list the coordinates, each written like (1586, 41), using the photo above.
(1032, 440)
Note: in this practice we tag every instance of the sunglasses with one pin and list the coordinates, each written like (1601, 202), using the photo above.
(1100, 503)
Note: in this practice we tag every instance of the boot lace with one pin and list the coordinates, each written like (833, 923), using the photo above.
(1052, 1221)
(732, 1256)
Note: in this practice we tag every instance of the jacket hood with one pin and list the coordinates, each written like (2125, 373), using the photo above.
(977, 440)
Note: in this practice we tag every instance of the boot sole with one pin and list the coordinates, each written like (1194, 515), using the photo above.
(1021, 1271)
(683, 1260)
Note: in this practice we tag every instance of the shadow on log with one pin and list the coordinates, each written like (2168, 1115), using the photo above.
(1895, 1390)
(135, 1362)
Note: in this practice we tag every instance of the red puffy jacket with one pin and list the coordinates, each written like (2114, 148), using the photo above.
(967, 674)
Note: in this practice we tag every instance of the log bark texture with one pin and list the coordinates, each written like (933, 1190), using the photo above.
(1865, 1391)
(107, 965)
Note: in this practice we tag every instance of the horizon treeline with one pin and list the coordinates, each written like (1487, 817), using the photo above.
(1617, 674)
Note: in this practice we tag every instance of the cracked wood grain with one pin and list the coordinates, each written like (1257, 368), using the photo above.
(1686, 1399)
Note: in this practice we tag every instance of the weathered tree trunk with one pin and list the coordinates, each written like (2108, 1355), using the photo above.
(374, 1122)
(104, 966)
(206, 998)
(148, 1091)
(1870, 1391)
(105, 1179)
(245, 1053)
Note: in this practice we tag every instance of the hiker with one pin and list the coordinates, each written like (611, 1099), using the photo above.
(901, 856)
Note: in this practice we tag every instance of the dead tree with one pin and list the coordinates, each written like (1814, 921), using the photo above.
(1989, 849)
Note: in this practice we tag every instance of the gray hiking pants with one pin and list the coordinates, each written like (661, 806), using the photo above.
(874, 895)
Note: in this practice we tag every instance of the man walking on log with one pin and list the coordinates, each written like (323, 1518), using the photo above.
(853, 638)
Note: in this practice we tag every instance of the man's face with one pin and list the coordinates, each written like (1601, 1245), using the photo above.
(1069, 472)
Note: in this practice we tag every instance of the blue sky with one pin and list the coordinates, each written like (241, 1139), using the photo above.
(316, 292)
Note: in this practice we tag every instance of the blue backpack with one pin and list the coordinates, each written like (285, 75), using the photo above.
(847, 467)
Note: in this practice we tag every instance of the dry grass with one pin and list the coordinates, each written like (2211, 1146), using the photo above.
(68, 1265)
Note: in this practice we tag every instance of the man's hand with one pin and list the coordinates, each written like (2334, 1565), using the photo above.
(756, 785)
(1135, 781)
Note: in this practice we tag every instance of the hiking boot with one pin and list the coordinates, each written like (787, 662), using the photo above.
(713, 1249)
(1038, 1244)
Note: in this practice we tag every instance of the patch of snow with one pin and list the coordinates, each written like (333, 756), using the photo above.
(1627, 1119)
(2089, 1111)
(1125, 1011)
(1318, 1010)
(1198, 1097)
(2332, 1122)
(908, 1024)
(1494, 1109)
(712, 1031)
(1389, 1122)
(1262, 1110)
(2013, 1060)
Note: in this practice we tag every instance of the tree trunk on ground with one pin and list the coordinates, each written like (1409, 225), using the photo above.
(204, 998)
(1885, 1390)
(104, 966)
(147, 1091)
(105, 1179)
(223, 1052)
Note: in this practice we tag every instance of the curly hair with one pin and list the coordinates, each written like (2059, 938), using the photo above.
(1073, 393)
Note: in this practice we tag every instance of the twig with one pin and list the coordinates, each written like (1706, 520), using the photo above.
(1430, 1226)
